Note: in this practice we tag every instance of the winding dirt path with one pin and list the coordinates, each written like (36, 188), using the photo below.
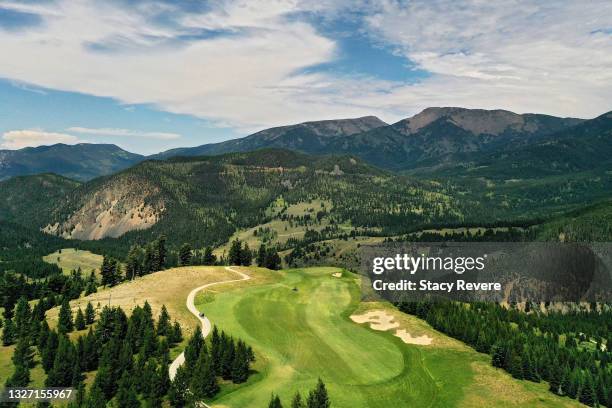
(206, 325)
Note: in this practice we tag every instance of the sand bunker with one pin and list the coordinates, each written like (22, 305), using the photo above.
(423, 340)
(383, 321)
(378, 319)
(337, 275)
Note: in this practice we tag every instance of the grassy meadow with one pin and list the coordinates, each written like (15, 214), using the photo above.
(71, 259)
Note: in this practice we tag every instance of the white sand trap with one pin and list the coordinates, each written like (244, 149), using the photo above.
(378, 319)
(383, 321)
(407, 338)
(337, 275)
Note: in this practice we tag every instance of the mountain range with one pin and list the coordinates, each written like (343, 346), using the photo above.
(82, 161)
(435, 135)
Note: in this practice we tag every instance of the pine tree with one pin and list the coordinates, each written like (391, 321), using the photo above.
(149, 262)
(216, 351)
(297, 401)
(178, 394)
(227, 357)
(275, 402)
(235, 253)
(126, 394)
(62, 372)
(318, 397)
(8, 333)
(497, 356)
(163, 323)
(133, 263)
(96, 398)
(261, 255)
(177, 333)
(92, 284)
(43, 333)
(554, 381)
(90, 313)
(185, 254)
(48, 353)
(22, 317)
(20, 377)
(273, 261)
(23, 354)
(79, 321)
(160, 253)
(192, 350)
(203, 381)
(240, 365)
(246, 257)
(209, 257)
(587, 392)
(64, 324)
(163, 378)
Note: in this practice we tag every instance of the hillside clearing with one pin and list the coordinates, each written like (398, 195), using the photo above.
(69, 259)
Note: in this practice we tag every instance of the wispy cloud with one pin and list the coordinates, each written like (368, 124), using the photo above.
(550, 57)
(123, 132)
(17, 139)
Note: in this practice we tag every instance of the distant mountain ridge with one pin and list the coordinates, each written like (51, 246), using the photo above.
(432, 137)
(82, 161)
(434, 132)
(306, 137)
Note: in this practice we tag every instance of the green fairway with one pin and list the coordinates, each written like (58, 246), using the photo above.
(301, 335)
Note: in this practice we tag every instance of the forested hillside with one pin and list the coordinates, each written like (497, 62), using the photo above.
(83, 161)
(208, 198)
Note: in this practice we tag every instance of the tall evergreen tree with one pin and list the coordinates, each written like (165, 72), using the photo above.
(246, 256)
(275, 402)
(163, 323)
(193, 348)
(79, 321)
(235, 253)
(240, 365)
(178, 394)
(297, 401)
(160, 253)
(209, 258)
(8, 332)
(203, 381)
(64, 324)
(62, 372)
(22, 317)
(185, 254)
(318, 397)
(96, 398)
(261, 255)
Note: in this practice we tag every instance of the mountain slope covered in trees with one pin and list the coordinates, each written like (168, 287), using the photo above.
(82, 161)
(208, 198)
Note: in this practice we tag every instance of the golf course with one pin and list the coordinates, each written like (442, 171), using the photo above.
(299, 324)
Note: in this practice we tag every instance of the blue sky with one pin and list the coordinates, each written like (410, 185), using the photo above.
(152, 75)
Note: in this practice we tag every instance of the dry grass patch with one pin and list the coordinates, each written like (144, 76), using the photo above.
(491, 383)
(169, 287)
(70, 259)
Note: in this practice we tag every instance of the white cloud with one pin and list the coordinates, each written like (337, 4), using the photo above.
(520, 55)
(123, 132)
(17, 139)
